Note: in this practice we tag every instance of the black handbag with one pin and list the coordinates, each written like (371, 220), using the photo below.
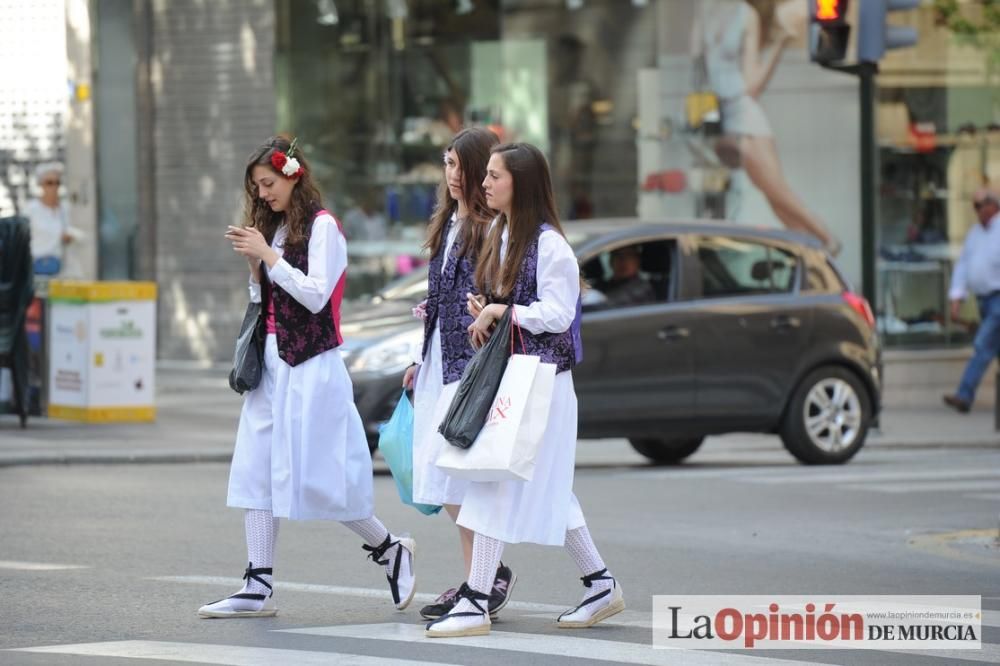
(478, 387)
(248, 359)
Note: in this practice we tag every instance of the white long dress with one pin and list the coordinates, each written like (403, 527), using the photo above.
(431, 400)
(541, 510)
(301, 450)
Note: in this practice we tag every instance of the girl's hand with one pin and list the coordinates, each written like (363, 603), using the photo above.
(251, 244)
(409, 376)
(475, 304)
(481, 329)
(420, 311)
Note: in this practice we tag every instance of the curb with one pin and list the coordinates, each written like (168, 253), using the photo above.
(214, 456)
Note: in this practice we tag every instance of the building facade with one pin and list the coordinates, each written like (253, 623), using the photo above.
(612, 90)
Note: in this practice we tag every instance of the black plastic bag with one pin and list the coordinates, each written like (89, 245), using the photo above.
(471, 405)
(248, 360)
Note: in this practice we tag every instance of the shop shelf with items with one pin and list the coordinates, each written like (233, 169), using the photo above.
(922, 223)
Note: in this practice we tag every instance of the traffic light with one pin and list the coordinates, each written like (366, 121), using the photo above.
(875, 36)
(829, 30)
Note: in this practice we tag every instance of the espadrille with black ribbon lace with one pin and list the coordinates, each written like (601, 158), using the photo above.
(245, 604)
(402, 580)
(457, 623)
(594, 608)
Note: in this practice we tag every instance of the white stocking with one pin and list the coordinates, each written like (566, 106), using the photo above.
(486, 553)
(582, 549)
(262, 533)
(374, 533)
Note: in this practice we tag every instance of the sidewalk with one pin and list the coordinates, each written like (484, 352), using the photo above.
(197, 415)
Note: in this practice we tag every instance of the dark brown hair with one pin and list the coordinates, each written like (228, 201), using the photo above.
(472, 146)
(306, 200)
(532, 204)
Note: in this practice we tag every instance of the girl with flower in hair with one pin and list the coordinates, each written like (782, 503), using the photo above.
(456, 233)
(527, 264)
(301, 451)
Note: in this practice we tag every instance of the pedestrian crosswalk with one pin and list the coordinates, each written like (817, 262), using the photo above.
(409, 639)
(565, 646)
(235, 655)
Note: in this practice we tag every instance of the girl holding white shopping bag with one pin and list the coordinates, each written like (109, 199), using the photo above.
(456, 233)
(528, 265)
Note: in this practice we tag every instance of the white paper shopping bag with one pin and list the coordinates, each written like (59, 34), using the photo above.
(508, 443)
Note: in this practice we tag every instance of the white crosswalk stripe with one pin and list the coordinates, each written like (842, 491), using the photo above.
(38, 566)
(465, 649)
(572, 646)
(341, 590)
(847, 475)
(971, 483)
(628, 618)
(898, 487)
(235, 655)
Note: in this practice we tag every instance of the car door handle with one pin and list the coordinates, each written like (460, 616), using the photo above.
(672, 333)
(782, 322)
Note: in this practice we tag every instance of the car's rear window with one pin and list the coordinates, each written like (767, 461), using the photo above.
(820, 276)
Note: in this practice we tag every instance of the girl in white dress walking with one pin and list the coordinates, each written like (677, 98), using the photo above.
(527, 264)
(456, 233)
(301, 451)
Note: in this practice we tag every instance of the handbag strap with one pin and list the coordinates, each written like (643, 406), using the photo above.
(514, 326)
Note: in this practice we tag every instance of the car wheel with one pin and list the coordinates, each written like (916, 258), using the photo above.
(666, 451)
(827, 419)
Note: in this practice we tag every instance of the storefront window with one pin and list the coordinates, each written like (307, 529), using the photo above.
(939, 142)
(376, 90)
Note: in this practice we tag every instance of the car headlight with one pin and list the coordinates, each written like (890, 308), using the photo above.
(391, 355)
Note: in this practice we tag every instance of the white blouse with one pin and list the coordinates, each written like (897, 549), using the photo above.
(456, 226)
(327, 263)
(558, 278)
(47, 228)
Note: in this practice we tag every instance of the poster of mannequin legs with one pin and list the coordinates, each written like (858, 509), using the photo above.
(765, 136)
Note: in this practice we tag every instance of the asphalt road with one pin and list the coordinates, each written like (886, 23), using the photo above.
(113, 560)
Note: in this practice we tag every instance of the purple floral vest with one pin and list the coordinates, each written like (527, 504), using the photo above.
(564, 349)
(446, 307)
(300, 333)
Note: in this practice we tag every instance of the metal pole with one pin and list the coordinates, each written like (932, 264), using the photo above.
(996, 404)
(869, 160)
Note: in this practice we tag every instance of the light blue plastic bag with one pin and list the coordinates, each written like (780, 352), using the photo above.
(395, 441)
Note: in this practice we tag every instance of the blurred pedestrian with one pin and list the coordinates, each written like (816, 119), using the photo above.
(978, 271)
(456, 233)
(49, 217)
(301, 451)
(528, 265)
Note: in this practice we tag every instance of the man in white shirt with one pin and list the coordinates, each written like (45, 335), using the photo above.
(978, 272)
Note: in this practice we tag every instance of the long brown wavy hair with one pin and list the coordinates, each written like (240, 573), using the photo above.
(532, 205)
(472, 145)
(303, 206)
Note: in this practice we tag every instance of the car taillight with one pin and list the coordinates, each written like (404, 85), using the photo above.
(860, 305)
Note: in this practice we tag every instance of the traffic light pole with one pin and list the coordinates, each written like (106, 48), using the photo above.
(865, 71)
(869, 158)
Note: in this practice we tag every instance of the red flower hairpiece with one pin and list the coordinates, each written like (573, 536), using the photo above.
(286, 164)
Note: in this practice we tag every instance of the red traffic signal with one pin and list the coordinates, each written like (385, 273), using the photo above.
(830, 11)
(829, 31)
